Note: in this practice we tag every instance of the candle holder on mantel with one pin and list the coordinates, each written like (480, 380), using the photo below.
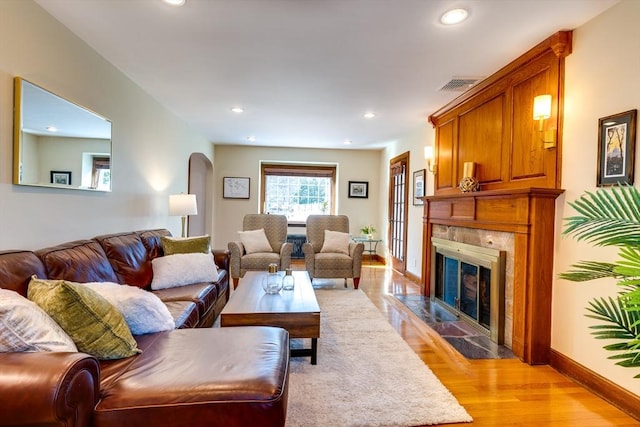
(469, 182)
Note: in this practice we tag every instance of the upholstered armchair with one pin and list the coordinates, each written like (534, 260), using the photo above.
(262, 241)
(329, 251)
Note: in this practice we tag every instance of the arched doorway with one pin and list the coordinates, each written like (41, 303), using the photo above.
(200, 184)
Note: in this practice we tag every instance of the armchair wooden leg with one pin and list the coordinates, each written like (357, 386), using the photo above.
(235, 282)
(356, 282)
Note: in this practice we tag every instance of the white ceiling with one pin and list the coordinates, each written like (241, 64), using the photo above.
(305, 71)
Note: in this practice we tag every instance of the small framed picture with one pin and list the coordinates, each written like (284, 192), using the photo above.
(418, 187)
(60, 177)
(359, 189)
(616, 148)
(235, 187)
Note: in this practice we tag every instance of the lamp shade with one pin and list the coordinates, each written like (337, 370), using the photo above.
(428, 152)
(542, 107)
(182, 204)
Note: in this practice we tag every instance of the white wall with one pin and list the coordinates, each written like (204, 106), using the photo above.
(601, 80)
(353, 165)
(414, 143)
(151, 146)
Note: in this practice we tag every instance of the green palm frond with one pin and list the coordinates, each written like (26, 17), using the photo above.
(607, 218)
(590, 270)
(620, 324)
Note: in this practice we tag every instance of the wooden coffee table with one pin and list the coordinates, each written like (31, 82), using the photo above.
(297, 311)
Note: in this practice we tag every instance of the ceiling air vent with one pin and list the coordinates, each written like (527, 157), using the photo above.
(460, 84)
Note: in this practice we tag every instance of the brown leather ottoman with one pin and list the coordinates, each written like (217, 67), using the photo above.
(199, 377)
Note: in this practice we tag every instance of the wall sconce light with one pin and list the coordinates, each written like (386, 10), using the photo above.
(429, 156)
(541, 112)
(183, 205)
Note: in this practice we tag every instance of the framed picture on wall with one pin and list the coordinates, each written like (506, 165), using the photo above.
(418, 187)
(235, 187)
(616, 148)
(359, 189)
(60, 177)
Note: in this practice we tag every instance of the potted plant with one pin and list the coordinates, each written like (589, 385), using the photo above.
(612, 218)
(368, 230)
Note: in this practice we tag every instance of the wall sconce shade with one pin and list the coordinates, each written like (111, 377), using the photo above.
(429, 157)
(183, 205)
(541, 112)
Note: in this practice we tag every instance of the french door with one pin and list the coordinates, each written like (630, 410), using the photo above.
(398, 196)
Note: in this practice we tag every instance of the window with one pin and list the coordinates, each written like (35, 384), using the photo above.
(298, 191)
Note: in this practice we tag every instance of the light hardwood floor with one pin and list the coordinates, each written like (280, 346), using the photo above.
(503, 392)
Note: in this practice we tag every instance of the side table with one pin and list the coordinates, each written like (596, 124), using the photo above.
(370, 246)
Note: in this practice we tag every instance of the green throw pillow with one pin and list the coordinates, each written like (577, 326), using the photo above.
(188, 245)
(94, 324)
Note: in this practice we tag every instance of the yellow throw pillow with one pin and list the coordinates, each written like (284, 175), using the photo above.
(94, 325)
(186, 245)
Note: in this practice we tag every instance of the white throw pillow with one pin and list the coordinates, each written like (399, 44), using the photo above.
(183, 269)
(26, 327)
(255, 241)
(143, 311)
(335, 241)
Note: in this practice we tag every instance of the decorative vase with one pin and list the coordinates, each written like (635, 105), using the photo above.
(469, 184)
(288, 281)
(272, 282)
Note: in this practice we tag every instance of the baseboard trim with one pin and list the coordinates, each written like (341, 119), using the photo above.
(599, 385)
(413, 277)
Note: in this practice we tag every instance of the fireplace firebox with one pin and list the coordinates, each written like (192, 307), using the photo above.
(469, 281)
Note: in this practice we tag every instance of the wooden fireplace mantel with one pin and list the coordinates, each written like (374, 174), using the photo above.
(528, 213)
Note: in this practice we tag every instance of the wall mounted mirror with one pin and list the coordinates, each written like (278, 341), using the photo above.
(57, 143)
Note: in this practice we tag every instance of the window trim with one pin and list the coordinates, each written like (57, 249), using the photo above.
(297, 169)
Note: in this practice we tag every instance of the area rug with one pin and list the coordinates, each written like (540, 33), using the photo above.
(366, 374)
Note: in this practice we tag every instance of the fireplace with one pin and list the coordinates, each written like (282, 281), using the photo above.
(469, 281)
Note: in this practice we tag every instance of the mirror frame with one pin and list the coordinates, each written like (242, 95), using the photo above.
(18, 139)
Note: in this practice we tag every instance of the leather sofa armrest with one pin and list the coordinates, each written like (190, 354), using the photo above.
(221, 258)
(48, 388)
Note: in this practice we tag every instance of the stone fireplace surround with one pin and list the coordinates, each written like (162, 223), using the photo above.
(490, 218)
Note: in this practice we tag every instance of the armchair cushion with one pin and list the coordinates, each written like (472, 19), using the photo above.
(26, 327)
(335, 242)
(255, 241)
(96, 326)
(175, 245)
(183, 269)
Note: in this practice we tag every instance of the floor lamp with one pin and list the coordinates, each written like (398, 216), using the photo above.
(183, 205)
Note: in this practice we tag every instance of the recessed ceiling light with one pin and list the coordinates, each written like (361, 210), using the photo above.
(454, 16)
(369, 115)
(251, 138)
(52, 129)
(175, 2)
(347, 142)
(237, 110)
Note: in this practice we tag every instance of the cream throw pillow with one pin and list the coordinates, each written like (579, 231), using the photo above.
(26, 327)
(183, 269)
(335, 241)
(255, 241)
(143, 311)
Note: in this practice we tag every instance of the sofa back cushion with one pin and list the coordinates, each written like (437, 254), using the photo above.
(152, 241)
(16, 269)
(129, 258)
(77, 261)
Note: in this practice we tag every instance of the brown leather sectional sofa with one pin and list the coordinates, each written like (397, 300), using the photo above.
(191, 376)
